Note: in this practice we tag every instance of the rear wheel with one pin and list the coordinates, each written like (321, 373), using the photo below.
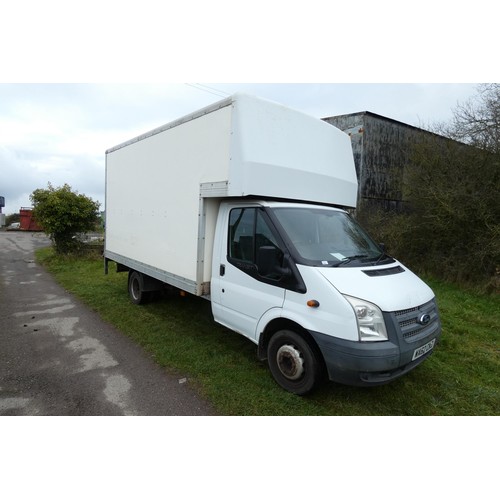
(136, 288)
(294, 363)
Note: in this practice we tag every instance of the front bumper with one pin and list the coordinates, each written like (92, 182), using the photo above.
(377, 363)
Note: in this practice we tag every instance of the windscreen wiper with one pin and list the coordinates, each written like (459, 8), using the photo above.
(380, 258)
(346, 260)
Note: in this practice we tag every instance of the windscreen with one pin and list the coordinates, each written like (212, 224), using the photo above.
(327, 237)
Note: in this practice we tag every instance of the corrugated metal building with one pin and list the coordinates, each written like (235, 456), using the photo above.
(382, 154)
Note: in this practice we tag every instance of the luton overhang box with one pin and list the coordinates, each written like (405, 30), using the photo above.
(163, 187)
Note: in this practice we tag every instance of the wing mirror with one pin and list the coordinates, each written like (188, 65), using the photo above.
(268, 264)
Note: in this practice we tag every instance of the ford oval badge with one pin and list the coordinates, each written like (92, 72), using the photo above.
(424, 319)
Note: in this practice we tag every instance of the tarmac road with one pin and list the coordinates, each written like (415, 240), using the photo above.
(59, 358)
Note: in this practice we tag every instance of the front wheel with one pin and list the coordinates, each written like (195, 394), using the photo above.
(294, 363)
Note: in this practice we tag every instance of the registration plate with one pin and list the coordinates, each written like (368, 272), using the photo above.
(417, 353)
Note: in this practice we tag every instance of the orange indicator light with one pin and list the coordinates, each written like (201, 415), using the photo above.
(313, 303)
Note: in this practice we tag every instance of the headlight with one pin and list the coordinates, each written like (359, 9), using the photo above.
(371, 324)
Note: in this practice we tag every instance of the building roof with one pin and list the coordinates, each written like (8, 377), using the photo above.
(375, 115)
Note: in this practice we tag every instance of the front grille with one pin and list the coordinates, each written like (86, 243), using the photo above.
(410, 327)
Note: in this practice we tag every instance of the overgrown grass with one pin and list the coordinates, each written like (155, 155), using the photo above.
(460, 378)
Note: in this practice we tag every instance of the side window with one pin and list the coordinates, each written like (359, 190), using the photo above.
(241, 234)
(248, 232)
(263, 234)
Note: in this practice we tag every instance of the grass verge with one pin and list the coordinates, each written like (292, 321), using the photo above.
(460, 378)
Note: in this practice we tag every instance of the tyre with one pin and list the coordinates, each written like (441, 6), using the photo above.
(294, 363)
(136, 288)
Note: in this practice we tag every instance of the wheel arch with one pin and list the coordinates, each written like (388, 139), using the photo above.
(285, 324)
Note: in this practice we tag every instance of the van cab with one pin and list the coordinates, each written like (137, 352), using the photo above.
(310, 287)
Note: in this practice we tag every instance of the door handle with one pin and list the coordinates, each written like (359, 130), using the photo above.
(222, 270)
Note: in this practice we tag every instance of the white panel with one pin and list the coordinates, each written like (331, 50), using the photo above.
(152, 192)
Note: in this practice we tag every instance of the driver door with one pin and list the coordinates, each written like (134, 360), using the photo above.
(245, 296)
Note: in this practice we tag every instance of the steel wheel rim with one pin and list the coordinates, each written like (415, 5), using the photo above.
(290, 362)
(135, 288)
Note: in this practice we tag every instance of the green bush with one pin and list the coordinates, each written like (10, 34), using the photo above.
(452, 229)
(63, 214)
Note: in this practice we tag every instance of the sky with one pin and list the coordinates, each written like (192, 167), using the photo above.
(59, 132)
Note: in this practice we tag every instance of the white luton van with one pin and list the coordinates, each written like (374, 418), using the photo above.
(244, 203)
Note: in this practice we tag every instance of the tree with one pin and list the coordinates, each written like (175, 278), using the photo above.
(477, 121)
(452, 186)
(63, 214)
(12, 218)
